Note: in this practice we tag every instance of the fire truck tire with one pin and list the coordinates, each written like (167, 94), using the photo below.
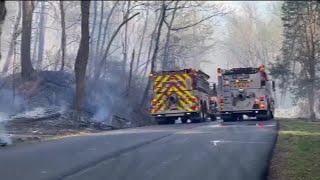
(195, 120)
(265, 117)
(239, 117)
(162, 120)
(228, 118)
(213, 117)
(171, 120)
(184, 120)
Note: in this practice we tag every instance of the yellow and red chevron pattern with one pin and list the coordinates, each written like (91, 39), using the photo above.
(168, 84)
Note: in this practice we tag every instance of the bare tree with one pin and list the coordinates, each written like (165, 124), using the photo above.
(26, 65)
(82, 57)
(63, 34)
(102, 62)
(100, 27)
(42, 31)
(15, 34)
(106, 25)
(166, 63)
(155, 52)
(142, 38)
(125, 41)
(130, 74)
(3, 13)
(93, 29)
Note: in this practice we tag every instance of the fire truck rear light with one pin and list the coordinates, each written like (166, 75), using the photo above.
(194, 108)
(261, 98)
(262, 106)
(195, 99)
(221, 100)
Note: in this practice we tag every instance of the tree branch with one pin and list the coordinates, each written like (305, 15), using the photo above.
(194, 24)
(110, 42)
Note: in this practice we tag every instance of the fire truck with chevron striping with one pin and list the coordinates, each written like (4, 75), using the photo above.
(184, 94)
(245, 91)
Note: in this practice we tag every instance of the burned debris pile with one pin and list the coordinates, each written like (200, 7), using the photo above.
(43, 106)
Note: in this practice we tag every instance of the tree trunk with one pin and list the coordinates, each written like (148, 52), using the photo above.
(63, 35)
(100, 27)
(106, 27)
(3, 13)
(142, 39)
(144, 72)
(168, 64)
(35, 34)
(155, 52)
(15, 34)
(102, 61)
(82, 57)
(26, 65)
(130, 74)
(125, 43)
(92, 37)
(311, 103)
(35, 38)
(42, 31)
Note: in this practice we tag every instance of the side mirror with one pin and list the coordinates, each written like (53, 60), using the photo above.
(273, 86)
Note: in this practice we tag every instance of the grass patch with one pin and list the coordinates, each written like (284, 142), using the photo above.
(297, 152)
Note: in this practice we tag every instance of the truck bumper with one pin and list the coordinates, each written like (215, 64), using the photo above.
(243, 112)
(180, 114)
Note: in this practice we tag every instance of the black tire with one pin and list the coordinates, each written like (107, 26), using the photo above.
(202, 117)
(196, 120)
(213, 118)
(272, 116)
(269, 115)
(184, 120)
(162, 121)
(240, 118)
(171, 120)
(229, 118)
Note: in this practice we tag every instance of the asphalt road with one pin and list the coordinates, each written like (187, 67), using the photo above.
(235, 151)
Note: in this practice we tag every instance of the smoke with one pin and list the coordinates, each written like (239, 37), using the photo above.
(10, 104)
(4, 136)
(110, 97)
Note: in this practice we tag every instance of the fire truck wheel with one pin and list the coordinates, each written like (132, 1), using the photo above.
(171, 120)
(228, 118)
(265, 117)
(162, 120)
(213, 117)
(184, 120)
(239, 117)
(195, 120)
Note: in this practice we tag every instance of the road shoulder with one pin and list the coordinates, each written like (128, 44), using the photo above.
(297, 151)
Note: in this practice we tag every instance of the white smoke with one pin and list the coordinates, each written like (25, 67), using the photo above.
(4, 136)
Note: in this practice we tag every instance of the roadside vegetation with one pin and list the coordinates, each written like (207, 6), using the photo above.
(297, 152)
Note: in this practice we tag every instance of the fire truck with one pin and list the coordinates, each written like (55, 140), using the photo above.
(245, 91)
(181, 94)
